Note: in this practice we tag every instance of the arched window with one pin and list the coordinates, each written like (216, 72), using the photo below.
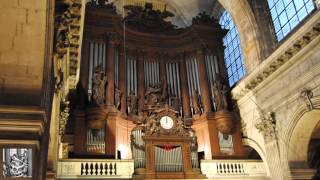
(232, 52)
(287, 14)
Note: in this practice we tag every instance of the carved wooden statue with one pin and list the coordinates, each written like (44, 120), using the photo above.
(219, 93)
(117, 98)
(99, 86)
(164, 91)
(132, 104)
(153, 95)
(195, 102)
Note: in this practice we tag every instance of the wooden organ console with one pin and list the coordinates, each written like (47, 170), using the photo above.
(141, 68)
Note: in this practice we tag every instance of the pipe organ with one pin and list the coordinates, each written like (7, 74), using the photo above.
(135, 75)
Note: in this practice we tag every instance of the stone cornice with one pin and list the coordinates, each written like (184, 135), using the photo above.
(22, 119)
(283, 55)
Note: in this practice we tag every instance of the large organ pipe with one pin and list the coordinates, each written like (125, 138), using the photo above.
(216, 64)
(197, 75)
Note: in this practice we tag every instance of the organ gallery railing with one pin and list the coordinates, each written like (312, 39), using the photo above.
(94, 169)
(233, 168)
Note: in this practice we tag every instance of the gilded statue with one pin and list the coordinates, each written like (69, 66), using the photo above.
(152, 125)
(219, 93)
(98, 89)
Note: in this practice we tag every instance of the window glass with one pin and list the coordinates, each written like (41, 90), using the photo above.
(232, 53)
(287, 14)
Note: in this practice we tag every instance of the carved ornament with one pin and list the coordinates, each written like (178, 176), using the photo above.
(267, 126)
(63, 116)
(204, 19)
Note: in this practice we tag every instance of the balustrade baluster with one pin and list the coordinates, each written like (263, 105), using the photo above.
(82, 167)
(110, 169)
(96, 168)
(106, 168)
(101, 169)
(87, 168)
(91, 168)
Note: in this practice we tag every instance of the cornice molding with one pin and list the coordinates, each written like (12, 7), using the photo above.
(22, 120)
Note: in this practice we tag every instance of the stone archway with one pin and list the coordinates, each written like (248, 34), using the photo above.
(301, 134)
(254, 145)
(298, 144)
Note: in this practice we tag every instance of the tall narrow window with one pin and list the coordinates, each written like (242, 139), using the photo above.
(287, 14)
(232, 52)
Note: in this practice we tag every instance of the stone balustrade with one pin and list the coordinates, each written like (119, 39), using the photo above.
(94, 169)
(233, 168)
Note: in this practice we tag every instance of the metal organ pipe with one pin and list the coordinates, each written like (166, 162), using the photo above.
(216, 64)
(197, 75)
(96, 144)
(151, 73)
(168, 160)
(138, 153)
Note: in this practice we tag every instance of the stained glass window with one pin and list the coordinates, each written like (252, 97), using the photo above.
(232, 52)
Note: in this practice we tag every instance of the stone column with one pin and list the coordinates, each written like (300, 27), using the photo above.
(122, 81)
(141, 89)
(184, 87)
(203, 81)
(110, 69)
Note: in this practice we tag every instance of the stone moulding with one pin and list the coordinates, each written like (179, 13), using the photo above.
(20, 119)
(285, 52)
(284, 57)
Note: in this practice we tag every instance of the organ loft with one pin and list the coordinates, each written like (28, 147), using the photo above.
(151, 91)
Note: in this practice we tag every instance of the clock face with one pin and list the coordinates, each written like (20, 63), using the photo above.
(166, 122)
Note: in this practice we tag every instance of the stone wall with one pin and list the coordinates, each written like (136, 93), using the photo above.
(22, 51)
(276, 86)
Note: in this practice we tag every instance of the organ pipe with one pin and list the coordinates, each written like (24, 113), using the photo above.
(151, 73)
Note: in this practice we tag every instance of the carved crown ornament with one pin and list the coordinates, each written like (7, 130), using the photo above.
(148, 19)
